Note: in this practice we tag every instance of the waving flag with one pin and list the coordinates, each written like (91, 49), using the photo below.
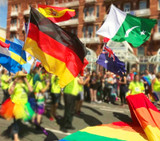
(120, 26)
(2, 39)
(109, 60)
(56, 14)
(59, 51)
(84, 65)
(147, 79)
(107, 50)
(146, 114)
(145, 125)
(29, 58)
(17, 53)
(6, 58)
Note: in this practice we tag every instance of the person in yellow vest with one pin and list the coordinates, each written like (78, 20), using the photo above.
(80, 96)
(155, 87)
(5, 79)
(17, 106)
(40, 87)
(70, 94)
(136, 86)
(55, 95)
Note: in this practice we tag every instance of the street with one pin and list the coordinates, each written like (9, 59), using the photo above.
(93, 114)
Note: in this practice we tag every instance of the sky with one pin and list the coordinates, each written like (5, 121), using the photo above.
(3, 13)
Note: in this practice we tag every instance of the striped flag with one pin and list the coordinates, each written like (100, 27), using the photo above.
(145, 125)
(56, 14)
(59, 51)
(7, 58)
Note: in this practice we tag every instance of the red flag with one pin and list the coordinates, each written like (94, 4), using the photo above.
(84, 65)
(4, 45)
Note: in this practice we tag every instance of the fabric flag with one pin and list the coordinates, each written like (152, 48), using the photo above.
(110, 61)
(5, 58)
(4, 55)
(17, 55)
(120, 26)
(59, 51)
(146, 114)
(147, 79)
(117, 131)
(84, 65)
(2, 39)
(19, 42)
(29, 58)
(145, 125)
(56, 14)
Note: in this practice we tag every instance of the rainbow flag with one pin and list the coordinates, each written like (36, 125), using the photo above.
(146, 114)
(145, 125)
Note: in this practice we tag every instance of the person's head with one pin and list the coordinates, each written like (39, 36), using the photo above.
(4, 71)
(20, 76)
(124, 73)
(136, 78)
(43, 70)
(158, 75)
(146, 72)
(93, 73)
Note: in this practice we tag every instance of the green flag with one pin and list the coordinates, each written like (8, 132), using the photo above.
(120, 26)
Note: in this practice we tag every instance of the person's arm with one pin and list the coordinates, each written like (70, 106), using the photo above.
(46, 87)
(152, 84)
(11, 89)
(130, 88)
(81, 82)
(29, 86)
(125, 81)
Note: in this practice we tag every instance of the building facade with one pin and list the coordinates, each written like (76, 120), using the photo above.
(90, 14)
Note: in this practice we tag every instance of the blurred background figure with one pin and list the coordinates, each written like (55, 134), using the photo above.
(5, 80)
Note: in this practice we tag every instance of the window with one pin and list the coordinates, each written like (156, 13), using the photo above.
(85, 12)
(90, 31)
(97, 11)
(127, 7)
(16, 7)
(91, 11)
(143, 67)
(12, 36)
(84, 32)
(13, 22)
(142, 5)
(74, 31)
(76, 13)
(159, 25)
(141, 51)
(87, 31)
(151, 68)
(96, 30)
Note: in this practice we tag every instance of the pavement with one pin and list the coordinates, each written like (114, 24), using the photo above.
(93, 114)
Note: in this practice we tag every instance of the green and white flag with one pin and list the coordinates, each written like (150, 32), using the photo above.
(120, 26)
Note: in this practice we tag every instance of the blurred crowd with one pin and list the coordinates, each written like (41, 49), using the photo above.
(35, 88)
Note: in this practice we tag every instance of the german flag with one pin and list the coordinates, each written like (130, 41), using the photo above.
(56, 14)
(59, 51)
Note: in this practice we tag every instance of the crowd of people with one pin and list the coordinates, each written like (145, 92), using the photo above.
(25, 95)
